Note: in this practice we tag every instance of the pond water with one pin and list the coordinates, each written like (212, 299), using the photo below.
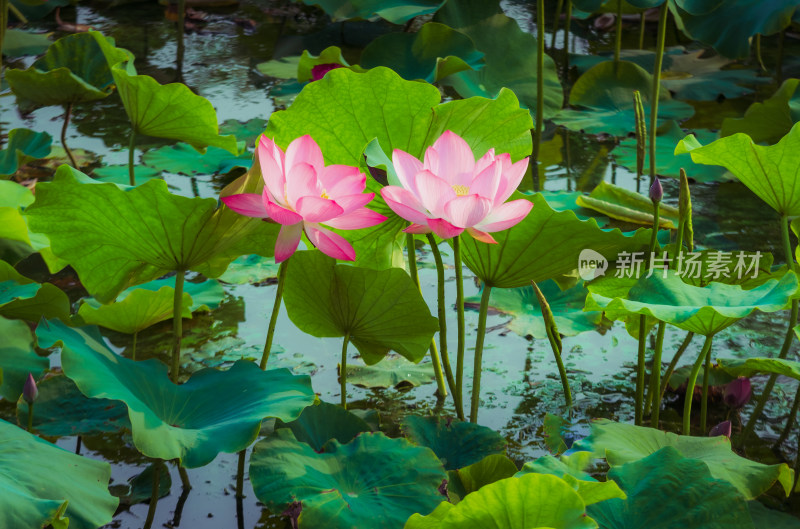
(520, 382)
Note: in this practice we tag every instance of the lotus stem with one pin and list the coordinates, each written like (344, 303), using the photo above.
(448, 370)
(273, 319)
(151, 510)
(240, 475)
(640, 365)
(4, 4)
(78, 443)
(181, 25)
(690, 383)
(343, 372)
(662, 31)
(759, 58)
(673, 363)
(187, 485)
(131, 155)
(477, 365)
(555, 342)
(64, 127)
(617, 36)
(537, 127)
(789, 420)
(177, 325)
(30, 417)
(559, 7)
(460, 321)
(704, 398)
(567, 24)
(655, 376)
(642, 24)
(17, 13)
(133, 347)
(641, 137)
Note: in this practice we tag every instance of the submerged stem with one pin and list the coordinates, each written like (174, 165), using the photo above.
(273, 320)
(240, 475)
(131, 156)
(461, 325)
(662, 30)
(151, 510)
(478, 361)
(442, 308)
(177, 325)
(343, 370)
(687, 403)
(67, 116)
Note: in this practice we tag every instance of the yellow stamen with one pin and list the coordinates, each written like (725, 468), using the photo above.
(325, 195)
(461, 191)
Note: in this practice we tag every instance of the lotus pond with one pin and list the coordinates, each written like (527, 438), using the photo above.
(387, 264)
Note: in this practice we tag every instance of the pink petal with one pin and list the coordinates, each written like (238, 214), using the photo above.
(330, 243)
(342, 180)
(248, 204)
(272, 169)
(456, 161)
(301, 181)
(484, 161)
(405, 204)
(406, 167)
(467, 211)
(510, 178)
(482, 236)
(417, 229)
(304, 150)
(487, 181)
(268, 146)
(431, 160)
(351, 203)
(443, 229)
(433, 192)
(288, 239)
(360, 218)
(282, 215)
(317, 209)
(506, 215)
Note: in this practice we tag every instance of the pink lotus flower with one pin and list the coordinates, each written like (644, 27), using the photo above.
(301, 194)
(451, 192)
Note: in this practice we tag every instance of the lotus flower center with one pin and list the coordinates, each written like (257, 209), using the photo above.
(325, 195)
(461, 191)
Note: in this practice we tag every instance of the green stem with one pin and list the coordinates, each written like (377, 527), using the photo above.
(460, 322)
(131, 155)
(448, 370)
(662, 30)
(789, 421)
(704, 398)
(30, 417)
(64, 128)
(412, 259)
(640, 364)
(343, 370)
(3, 25)
(177, 325)
(133, 347)
(477, 365)
(276, 308)
(673, 364)
(537, 130)
(555, 342)
(759, 58)
(642, 24)
(655, 375)
(559, 7)
(687, 404)
(17, 13)
(618, 36)
(181, 26)
(151, 510)
(240, 474)
(187, 485)
(567, 25)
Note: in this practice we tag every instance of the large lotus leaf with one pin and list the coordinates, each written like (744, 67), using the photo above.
(771, 120)
(528, 502)
(546, 244)
(40, 483)
(136, 312)
(214, 411)
(604, 98)
(74, 70)
(703, 310)
(771, 172)
(394, 371)
(372, 481)
(395, 11)
(320, 423)
(120, 174)
(511, 56)
(115, 239)
(62, 410)
(667, 162)
(488, 470)
(666, 490)
(183, 159)
(139, 488)
(248, 132)
(23, 145)
(729, 26)
(523, 306)
(738, 367)
(764, 518)
(206, 295)
(17, 358)
(21, 298)
(458, 444)
(17, 42)
(623, 443)
(250, 269)
(307, 61)
(14, 197)
(378, 309)
(626, 205)
(170, 111)
(433, 53)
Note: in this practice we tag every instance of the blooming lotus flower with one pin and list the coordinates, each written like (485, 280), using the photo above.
(302, 194)
(451, 192)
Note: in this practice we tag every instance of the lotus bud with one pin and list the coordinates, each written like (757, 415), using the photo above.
(656, 191)
(738, 392)
(319, 71)
(723, 428)
(30, 391)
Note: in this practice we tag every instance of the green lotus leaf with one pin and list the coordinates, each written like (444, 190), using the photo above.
(703, 310)
(458, 444)
(115, 239)
(391, 372)
(136, 312)
(206, 295)
(62, 410)
(214, 411)
(378, 309)
(523, 306)
(569, 468)
(170, 111)
(17, 358)
(372, 481)
(768, 171)
(74, 70)
(248, 132)
(17, 42)
(320, 423)
(24, 299)
(488, 470)
(510, 54)
(737, 367)
(604, 98)
(14, 197)
(667, 162)
(139, 488)
(771, 120)
(589, 6)
(330, 55)
(626, 205)
(433, 53)
(764, 518)
(728, 26)
(42, 483)
(525, 252)
(23, 145)
(530, 501)
(716, 377)
(120, 174)
(283, 68)
(37, 10)
(624, 443)
(395, 11)
(183, 159)
(695, 497)
(566, 201)
(249, 269)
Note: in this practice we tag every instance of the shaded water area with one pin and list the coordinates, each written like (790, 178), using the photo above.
(520, 383)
